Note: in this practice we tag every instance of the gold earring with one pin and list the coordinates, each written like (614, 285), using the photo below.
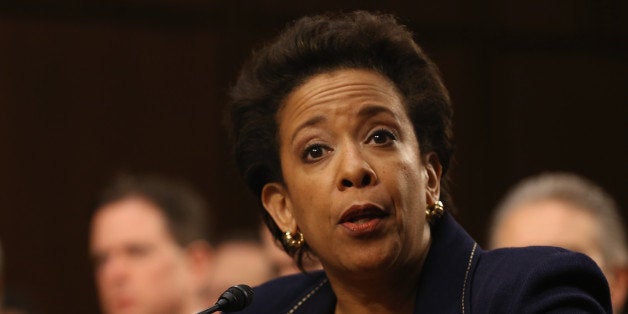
(434, 212)
(293, 241)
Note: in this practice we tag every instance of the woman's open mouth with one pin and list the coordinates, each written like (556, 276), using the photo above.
(363, 219)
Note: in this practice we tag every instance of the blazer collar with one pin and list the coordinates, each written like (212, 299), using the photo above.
(447, 270)
(446, 273)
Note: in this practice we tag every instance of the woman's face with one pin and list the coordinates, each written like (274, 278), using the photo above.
(355, 183)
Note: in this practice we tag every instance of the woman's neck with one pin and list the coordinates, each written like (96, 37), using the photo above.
(386, 293)
(392, 291)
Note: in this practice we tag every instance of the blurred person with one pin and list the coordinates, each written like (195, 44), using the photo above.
(342, 128)
(239, 259)
(150, 247)
(243, 258)
(568, 211)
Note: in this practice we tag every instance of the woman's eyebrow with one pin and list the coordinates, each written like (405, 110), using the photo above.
(373, 110)
(312, 121)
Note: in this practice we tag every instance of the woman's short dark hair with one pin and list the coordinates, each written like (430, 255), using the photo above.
(317, 44)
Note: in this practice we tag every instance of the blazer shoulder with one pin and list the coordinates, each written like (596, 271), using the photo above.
(536, 279)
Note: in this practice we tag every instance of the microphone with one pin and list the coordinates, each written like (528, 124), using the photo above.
(235, 298)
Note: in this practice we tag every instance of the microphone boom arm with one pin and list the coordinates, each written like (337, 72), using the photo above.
(235, 298)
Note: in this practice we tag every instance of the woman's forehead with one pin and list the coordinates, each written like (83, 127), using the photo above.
(336, 87)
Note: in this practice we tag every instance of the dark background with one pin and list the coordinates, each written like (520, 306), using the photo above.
(90, 88)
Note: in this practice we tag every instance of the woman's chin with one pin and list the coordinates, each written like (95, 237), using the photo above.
(369, 260)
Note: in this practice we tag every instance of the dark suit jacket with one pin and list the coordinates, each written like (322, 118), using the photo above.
(459, 277)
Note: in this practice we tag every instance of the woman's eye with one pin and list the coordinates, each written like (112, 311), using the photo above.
(382, 137)
(314, 152)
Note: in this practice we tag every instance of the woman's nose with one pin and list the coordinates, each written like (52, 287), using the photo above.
(354, 170)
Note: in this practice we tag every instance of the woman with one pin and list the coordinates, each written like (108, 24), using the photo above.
(342, 127)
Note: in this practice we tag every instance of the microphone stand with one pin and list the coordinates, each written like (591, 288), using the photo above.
(235, 298)
(211, 309)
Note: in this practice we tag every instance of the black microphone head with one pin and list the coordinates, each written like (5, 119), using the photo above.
(235, 298)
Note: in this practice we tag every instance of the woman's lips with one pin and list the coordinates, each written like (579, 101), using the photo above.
(362, 219)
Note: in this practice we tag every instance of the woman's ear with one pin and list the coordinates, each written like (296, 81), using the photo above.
(434, 172)
(276, 201)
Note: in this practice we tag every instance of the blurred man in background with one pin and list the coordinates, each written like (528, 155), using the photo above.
(150, 247)
(251, 258)
(567, 211)
(239, 259)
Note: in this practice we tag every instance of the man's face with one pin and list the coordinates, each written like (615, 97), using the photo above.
(550, 222)
(139, 268)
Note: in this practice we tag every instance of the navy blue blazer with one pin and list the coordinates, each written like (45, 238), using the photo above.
(459, 277)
